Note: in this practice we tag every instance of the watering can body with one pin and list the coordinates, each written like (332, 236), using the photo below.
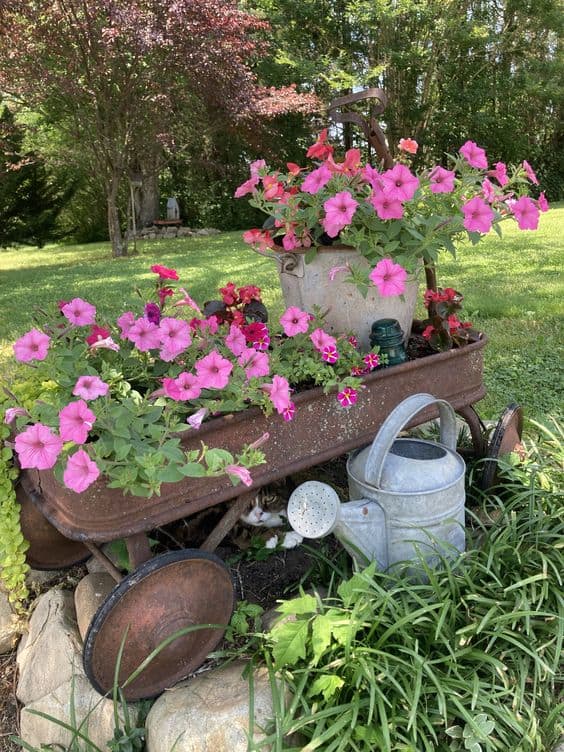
(407, 495)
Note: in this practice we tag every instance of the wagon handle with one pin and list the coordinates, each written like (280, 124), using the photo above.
(370, 126)
(376, 139)
(396, 420)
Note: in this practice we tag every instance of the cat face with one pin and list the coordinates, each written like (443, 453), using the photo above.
(259, 516)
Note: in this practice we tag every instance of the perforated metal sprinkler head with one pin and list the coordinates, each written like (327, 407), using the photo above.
(314, 511)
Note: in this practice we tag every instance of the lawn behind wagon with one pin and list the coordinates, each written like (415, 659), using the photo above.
(513, 291)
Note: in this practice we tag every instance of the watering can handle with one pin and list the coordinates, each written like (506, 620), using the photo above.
(396, 420)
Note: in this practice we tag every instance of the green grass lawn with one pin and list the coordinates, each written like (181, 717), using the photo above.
(513, 291)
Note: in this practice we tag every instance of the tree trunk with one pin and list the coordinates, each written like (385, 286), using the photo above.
(119, 248)
(147, 204)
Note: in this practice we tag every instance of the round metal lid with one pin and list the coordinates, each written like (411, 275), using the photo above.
(172, 591)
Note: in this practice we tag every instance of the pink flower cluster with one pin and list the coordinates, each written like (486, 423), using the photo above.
(39, 446)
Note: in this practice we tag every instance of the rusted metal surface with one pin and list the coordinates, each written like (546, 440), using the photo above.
(104, 560)
(505, 439)
(168, 593)
(48, 549)
(320, 431)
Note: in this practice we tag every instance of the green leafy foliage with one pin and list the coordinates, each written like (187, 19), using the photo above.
(13, 565)
(468, 660)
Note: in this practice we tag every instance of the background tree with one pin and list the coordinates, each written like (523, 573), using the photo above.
(122, 79)
(31, 199)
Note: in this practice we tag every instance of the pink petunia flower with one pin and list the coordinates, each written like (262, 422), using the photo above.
(330, 354)
(186, 386)
(279, 393)
(256, 166)
(372, 177)
(530, 172)
(79, 312)
(294, 321)
(125, 322)
(33, 345)
(75, 421)
(339, 211)
(235, 340)
(442, 181)
(316, 179)
(372, 360)
(186, 301)
(488, 190)
(290, 241)
(196, 419)
(164, 293)
(259, 239)
(90, 387)
(500, 173)
(321, 340)
(386, 207)
(388, 277)
(478, 216)
(347, 397)
(145, 335)
(175, 337)
(288, 412)
(474, 155)
(257, 335)
(80, 472)
(352, 340)
(543, 203)
(96, 333)
(241, 473)
(11, 413)
(400, 183)
(254, 362)
(213, 371)
(105, 344)
(249, 186)
(164, 272)
(408, 145)
(526, 213)
(38, 447)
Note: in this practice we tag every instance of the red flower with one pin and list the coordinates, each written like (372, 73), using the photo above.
(164, 272)
(97, 333)
(320, 149)
(248, 293)
(229, 294)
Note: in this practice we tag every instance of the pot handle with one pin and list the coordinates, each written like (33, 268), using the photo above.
(396, 420)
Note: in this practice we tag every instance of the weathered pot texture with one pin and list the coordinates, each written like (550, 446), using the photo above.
(305, 285)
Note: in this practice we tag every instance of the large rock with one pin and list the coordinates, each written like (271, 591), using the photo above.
(9, 625)
(90, 593)
(52, 679)
(210, 712)
(78, 696)
(50, 653)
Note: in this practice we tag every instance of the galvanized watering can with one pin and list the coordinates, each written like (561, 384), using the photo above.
(407, 495)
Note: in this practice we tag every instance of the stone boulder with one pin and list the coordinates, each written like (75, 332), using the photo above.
(210, 712)
(89, 594)
(52, 679)
(9, 625)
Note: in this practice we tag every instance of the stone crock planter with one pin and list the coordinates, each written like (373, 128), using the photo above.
(305, 285)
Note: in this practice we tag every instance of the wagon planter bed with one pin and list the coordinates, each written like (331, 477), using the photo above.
(172, 591)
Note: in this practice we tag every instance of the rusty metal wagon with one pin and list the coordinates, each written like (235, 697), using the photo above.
(190, 587)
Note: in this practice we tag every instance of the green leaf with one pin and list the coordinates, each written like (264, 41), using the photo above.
(290, 640)
(171, 474)
(192, 470)
(326, 685)
(320, 636)
(306, 604)
(216, 459)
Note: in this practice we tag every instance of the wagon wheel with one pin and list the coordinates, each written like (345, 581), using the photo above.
(48, 548)
(167, 593)
(506, 438)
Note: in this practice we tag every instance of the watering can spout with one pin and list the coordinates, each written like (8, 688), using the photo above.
(314, 511)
